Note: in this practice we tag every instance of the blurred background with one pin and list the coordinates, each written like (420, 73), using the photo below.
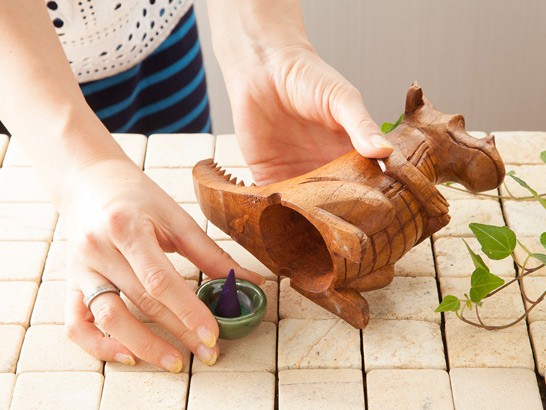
(485, 59)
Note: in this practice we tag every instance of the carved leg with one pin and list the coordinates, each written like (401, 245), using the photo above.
(375, 280)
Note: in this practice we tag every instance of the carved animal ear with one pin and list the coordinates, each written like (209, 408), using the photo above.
(414, 98)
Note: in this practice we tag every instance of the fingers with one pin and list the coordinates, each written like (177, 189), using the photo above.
(349, 111)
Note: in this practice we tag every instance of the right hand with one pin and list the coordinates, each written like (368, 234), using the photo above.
(120, 225)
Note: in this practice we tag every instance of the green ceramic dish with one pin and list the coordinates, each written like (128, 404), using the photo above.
(253, 306)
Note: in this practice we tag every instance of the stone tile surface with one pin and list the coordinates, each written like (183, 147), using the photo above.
(232, 390)
(293, 305)
(318, 344)
(177, 182)
(417, 262)
(178, 150)
(16, 302)
(144, 391)
(403, 344)
(246, 259)
(7, 383)
(15, 156)
(405, 298)
(520, 147)
(58, 390)
(465, 211)
(534, 175)
(454, 261)
(11, 338)
(22, 261)
(50, 304)
(525, 218)
(21, 185)
(271, 290)
(134, 145)
(537, 330)
(408, 389)
(55, 265)
(534, 287)
(321, 389)
(46, 348)
(27, 222)
(4, 140)
(228, 153)
(61, 229)
(468, 346)
(253, 353)
(493, 389)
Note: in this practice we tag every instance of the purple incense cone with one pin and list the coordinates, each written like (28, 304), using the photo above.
(228, 304)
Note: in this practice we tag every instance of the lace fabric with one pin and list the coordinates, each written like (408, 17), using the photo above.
(103, 38)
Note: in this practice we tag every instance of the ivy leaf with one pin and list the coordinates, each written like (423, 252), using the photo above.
(541, 201)
(543, 156)
(540, 256)
(482, 283)
(543, 239)
(387, 127)
(476, 259)
(449, 304)
(498, 242)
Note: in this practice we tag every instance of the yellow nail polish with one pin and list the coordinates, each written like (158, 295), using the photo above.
(206, 335)
(171, 363)
(206, 355)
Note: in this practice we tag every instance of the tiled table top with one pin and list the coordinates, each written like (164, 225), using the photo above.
(301, 356)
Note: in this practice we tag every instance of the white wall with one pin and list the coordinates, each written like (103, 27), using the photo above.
(485, 59)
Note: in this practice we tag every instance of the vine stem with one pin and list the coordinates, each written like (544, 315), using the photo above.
(512, 197)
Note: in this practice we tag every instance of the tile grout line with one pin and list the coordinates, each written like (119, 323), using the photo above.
(363, 365)
(276, 403)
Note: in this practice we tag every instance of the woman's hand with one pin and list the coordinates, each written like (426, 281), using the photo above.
(120, 225)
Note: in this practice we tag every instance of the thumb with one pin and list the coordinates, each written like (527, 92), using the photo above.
(349, 111)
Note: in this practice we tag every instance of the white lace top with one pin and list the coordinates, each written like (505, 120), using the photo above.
(105, 37)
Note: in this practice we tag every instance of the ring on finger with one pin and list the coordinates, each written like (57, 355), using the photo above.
(99, 290)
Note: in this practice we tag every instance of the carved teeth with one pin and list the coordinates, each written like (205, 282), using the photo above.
(233, 181)
(253, 184)
(227, 177)
(241, 183)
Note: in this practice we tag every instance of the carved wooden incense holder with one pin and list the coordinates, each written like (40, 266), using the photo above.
(337, 231)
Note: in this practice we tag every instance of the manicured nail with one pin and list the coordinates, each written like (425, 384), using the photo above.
(171, 363)
(125, 359)
(206, 355)
(206, 335)
(379, 142)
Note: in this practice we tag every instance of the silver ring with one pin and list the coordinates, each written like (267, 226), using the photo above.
(99, 291)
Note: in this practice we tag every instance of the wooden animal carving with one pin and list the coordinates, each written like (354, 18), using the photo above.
(337, 231)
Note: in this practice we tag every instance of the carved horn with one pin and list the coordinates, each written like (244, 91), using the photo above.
(490, 140)
(414, 98)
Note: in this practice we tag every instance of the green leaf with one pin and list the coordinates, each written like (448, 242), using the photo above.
(543, 239)
(476, 259)
(449, 304)
(541, 201)
(387, 127)
(498, 242)
(540, 256)
(482, 283)
(543, 156)
(469, 304)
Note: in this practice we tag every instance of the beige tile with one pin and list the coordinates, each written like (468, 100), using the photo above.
(478, 134)
(321, 389)
(147, 390)
(15, 156)
(294, 305)
(22, 260)
(16, 302)
(11, 337)
(216, 233)
(27, 222)
(46, 349)
(241, 391)
(403, 344)
(197, 215)
(55, 265)
(246, 259)
(493, 389)
(21, 185)
(465, 211)
(61, 229)
(7, 383)
(271, 290)
(253, 353)
(537, 330)
(228, 153)
(405, 298)
(534, 287)
(143, 366)
(525, 218)
(58, 390)
(50, 304)
(506, 304)
(134, 145)
(417, 262)
(533, 245)
(454, 261)
(178, 150)
(520, 147)
(534, 175)
(176, 182)
(468, 346)
(4, 140)
(183, 266)
(318, 344)
(408, 389)
(457, 191)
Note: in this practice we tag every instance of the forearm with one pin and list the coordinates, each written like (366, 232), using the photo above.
(41, 102)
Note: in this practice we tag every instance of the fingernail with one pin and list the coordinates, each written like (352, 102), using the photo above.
(206, 355)
(379, 142)
(171, 363)
(125, 359)
(206, 335)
